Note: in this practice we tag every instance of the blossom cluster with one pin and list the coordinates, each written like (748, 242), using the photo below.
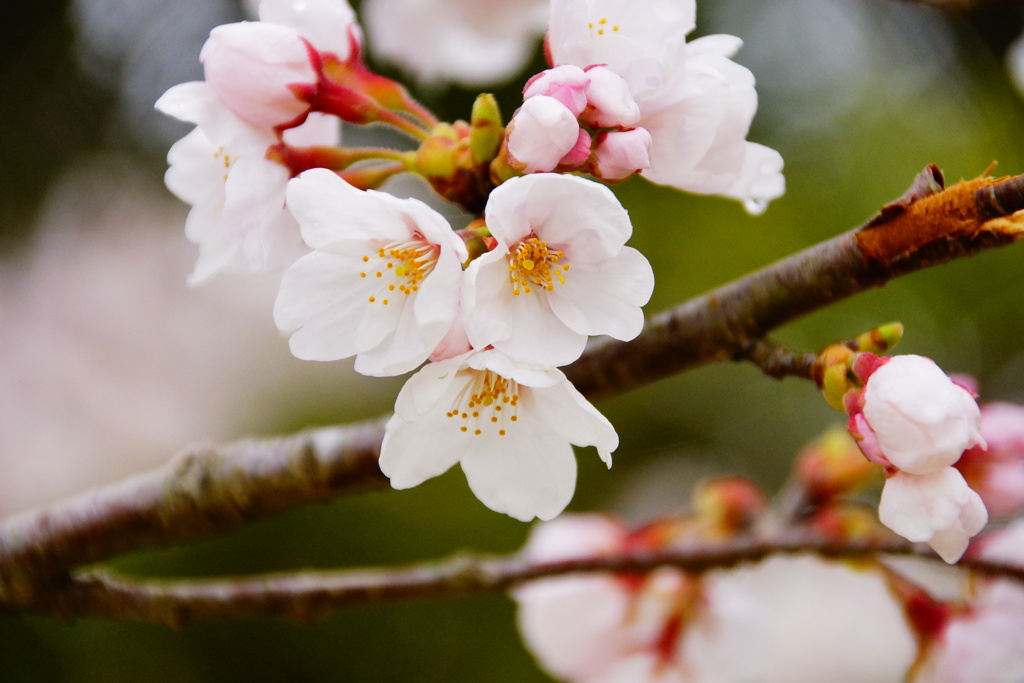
(494, 308)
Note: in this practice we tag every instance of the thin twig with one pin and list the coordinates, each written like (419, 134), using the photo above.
(306, 596)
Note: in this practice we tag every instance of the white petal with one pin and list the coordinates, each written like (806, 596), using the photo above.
(324, 23)
(527, 473)
(413, 452)
(606, 299)
(569, 415)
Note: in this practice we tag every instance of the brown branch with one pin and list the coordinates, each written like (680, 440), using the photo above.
(313, 595)
(200, 492)
(925, 228)
(208, 490)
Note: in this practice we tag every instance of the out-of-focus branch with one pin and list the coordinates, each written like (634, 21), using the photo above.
(212, 489)
(305, 596)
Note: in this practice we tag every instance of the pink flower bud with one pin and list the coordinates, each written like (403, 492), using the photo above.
(251, 66)
(620, 154)
(923, 422)
(541, 133)
(567, 84)
(610, 102)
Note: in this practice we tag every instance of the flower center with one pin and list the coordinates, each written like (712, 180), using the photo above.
(487, 403)
(533, 264)
(601, 27)
(400, 267)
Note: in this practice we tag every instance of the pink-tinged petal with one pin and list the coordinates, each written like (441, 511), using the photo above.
(324, 23)
(924, 422)
(250, 66)
(413, 452)
(567, 84)
(541, 133)
(576, 157)
(606, 299)
(610, 102)
(620, 154)
(454, 343)
(569, 415)
(524, 474)
(318, 129)
(329, 209)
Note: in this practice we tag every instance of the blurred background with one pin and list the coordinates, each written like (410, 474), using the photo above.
(109, 364)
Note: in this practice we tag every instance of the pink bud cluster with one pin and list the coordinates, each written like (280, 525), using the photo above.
(577, 119)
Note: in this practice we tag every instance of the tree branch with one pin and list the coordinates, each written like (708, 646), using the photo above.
(212, 489)
(926, 227)
(308, 596)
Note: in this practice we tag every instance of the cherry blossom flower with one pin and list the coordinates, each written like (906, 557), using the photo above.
(595, 627)
(381, 284)
(997, 474)
(558, 272)
(238, 216)
(916, 422)
(795, 619)
(260, 69)
(981, 641)
(462, 41)
(693, 100)
(509, 425)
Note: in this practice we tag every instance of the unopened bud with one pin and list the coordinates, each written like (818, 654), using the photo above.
(487, 129)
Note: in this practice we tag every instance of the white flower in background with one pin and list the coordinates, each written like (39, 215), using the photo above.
(238, 216)
(381, 284)
(264, 70)
(937, 508)
(982, 642)
(783, 620)
(558, 273)
(694, 101)
(921, 420)
(510, 427)
(797, 619)
(467, 42)
(596, 627)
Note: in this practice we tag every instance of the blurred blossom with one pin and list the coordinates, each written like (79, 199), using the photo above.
(138, 49)
(998, 473)
(109, 363)
(787, 619)
(467, 42)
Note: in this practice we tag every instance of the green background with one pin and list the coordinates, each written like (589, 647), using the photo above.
(857, 96)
